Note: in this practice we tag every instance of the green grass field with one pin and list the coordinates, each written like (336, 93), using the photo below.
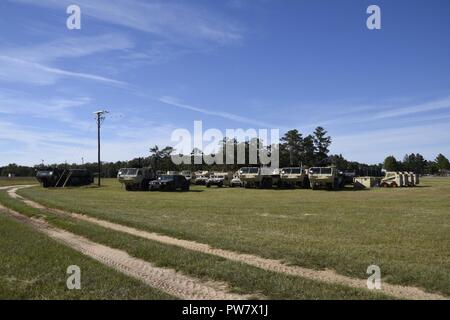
(17, 181)
(34, 267)
(240, 277)
(404, 231)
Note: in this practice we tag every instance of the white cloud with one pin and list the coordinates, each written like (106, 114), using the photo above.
(230, 116)
(374, 146)
(31, 144)
(172, 21)
(69, 47)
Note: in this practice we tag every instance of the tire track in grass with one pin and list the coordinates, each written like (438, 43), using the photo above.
(164, 279)
(327, 276)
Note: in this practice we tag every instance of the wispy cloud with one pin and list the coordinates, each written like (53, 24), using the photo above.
(174, 21)
(373, 146)
(226, 115)
(35, 64)
(18, 70)
(376, 113)
(20, 142)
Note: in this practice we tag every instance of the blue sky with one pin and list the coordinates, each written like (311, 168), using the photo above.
(161, 65)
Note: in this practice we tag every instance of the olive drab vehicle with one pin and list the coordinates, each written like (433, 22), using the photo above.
(257, 177)
(187, 174)
(326, 177)
(219, 179)
(136, 179)
(294, 177)
(57, 178)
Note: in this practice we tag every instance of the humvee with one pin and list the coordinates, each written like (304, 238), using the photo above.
(328, 177)
(236, 181)
(136, 179)
(259, 177)
(56, 178)
(294, 177)
(187, 174)
(219, 179)
(200, 177)
(170, 182)
(392, 179)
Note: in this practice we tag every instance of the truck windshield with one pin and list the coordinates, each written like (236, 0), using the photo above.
(131, 172)
(321, 170)
(296, 170)
(165, 178)
(253, 170)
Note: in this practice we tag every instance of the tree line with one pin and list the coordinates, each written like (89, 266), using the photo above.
(294, 149)
(416, 162)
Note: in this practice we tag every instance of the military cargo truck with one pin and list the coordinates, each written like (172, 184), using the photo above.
(259, 177)
(136, 179)
(325, 177)
(294, 177)
(57, 178)
(392, 179)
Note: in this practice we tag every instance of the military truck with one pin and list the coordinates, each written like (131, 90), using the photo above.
(294, 177)
(170, 182)
(392, 179)
(200, 178)
(136, 179)
(187, 174)
(326, 177)
(236, 181)
(219, 179)
(57, 178)
(257, 177)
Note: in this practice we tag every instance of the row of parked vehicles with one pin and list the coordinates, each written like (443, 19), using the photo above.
(265, 178)
(144, 179)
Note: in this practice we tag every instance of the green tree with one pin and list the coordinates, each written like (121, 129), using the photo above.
(442, 162)
(391, 164)
(308, 155)
(321, 143)
(292, 142)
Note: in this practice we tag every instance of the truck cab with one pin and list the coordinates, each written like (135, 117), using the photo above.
(325, 177)
(136, 179)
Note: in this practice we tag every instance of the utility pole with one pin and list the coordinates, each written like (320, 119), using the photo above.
(100, 117)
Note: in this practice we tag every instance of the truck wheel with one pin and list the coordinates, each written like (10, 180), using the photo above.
(144, 185)
(394, 185)
(266, 184)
